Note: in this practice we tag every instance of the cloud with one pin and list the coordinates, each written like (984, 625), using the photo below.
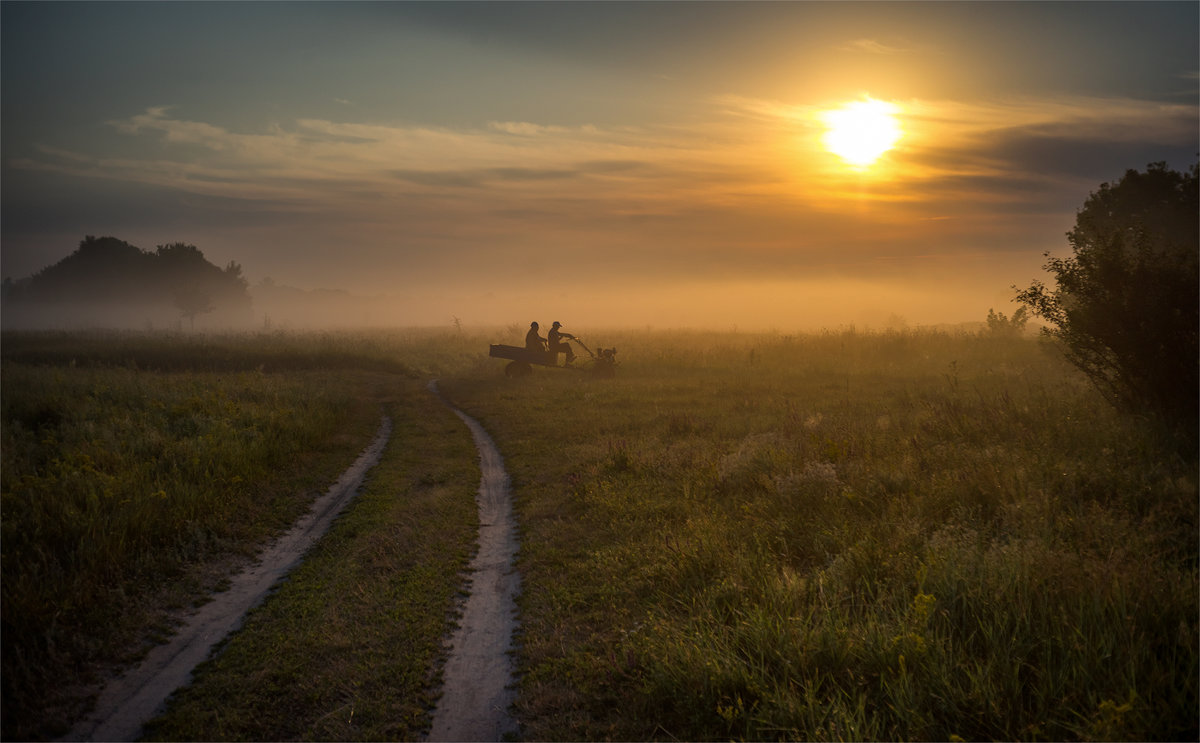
(531, 174)
(1053, 153)
(441, 179)
(606, 167)
(870, 46)
(316, 160)
(1070, 141)
(746, 189)
(487, 176)
(748, 153)
(174, 130)
(524, 128)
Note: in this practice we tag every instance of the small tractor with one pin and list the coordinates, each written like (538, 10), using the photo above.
(603, 363)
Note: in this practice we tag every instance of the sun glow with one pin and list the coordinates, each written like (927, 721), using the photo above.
(861, 131)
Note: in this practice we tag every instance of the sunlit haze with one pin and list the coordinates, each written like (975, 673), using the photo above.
(756, 165)
(861, 131)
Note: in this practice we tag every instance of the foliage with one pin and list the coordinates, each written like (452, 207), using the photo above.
(1127, 301)
(109, 281)
(1000, 324)
(191, 302)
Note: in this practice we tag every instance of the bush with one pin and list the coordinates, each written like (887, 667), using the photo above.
(1125, 306)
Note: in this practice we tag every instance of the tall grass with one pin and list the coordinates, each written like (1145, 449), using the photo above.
(845, 536)
(119, 484)
(274, 351)
(908, 535)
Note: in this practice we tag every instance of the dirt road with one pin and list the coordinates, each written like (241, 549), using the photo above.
(129, 702)
(478, 677)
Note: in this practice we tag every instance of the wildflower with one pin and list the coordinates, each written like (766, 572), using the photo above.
(922, 606)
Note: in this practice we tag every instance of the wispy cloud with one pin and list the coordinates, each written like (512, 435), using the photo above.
(871, 46)
(529, 129)
(748, 148)
(311, 156)
(749, 186)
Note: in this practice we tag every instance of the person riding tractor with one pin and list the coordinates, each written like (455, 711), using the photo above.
(533, 339)
(557, 346)
(535, 352)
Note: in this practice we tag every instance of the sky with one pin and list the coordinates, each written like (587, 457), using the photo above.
(653, 164)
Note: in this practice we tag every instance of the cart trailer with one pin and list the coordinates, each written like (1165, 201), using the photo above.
(522, 360)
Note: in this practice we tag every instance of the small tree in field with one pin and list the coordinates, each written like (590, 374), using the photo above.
(1127, 301)
(192, 301)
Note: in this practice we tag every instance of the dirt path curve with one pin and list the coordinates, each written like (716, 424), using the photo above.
(129, 702)
(478, 678)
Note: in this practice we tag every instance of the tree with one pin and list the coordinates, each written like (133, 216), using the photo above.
(192, 301)
(1008, 327)
(1127, 302)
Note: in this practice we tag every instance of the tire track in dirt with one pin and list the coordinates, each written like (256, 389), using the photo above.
(130, 701)
(478, 678)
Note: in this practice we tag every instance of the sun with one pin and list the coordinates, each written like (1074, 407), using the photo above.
(861, 131)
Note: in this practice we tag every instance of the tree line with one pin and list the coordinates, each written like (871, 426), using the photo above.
(107, 281)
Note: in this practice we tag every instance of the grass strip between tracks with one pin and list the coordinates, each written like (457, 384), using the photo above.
(343, 650)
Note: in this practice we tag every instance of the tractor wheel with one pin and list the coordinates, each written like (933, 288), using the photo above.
(517, 369)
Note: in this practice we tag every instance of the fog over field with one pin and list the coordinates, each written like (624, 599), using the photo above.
(783, 305)
(786, 306)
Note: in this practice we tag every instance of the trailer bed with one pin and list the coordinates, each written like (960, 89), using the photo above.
(519, 353)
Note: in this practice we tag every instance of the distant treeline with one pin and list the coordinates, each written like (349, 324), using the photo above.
(108, 282)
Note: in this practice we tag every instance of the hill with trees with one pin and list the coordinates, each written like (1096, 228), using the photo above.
(107, 282)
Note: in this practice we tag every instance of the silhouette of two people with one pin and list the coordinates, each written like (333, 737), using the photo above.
(554, 343)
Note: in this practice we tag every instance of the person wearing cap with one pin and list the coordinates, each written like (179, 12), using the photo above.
(555, 337)
(534, 341)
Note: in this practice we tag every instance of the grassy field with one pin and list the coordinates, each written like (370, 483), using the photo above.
(835, 536)
(138, 470)
(845, 536)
